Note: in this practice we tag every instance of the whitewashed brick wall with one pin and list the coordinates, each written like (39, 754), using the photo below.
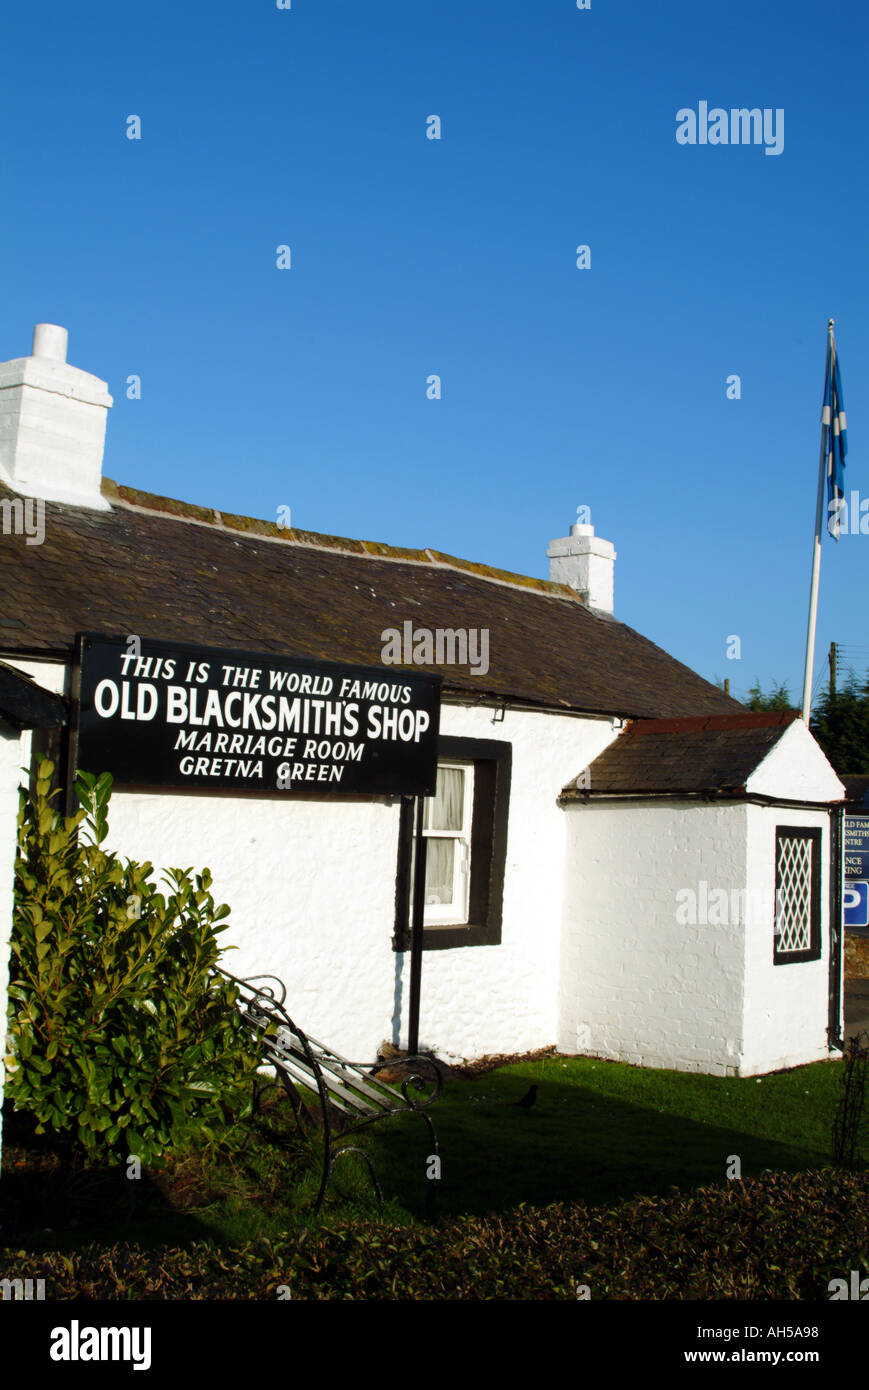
(635, 985)
(591, 954)
(786, 1006)
(311, 885)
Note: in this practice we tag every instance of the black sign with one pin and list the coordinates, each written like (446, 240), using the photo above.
(164, 714)
(857, 847)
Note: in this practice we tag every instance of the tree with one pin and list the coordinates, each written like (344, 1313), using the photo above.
(839, 720)
(840, 723)
(778, 697)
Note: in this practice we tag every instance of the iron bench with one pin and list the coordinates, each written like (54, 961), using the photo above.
(350, 1090)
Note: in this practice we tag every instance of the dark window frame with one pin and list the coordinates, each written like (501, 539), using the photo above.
(813, 952)
(493, 762)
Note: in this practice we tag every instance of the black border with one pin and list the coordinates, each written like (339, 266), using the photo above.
(434, 680)
(801, 832)
(493, 765)
(835, 1021)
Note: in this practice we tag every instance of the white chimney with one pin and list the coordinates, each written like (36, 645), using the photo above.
(586, 563)
(52, 424)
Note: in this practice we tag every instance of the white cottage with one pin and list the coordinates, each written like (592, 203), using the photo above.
(703, 871)
(609, 832)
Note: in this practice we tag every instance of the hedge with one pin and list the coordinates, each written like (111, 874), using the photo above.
(779, 1236)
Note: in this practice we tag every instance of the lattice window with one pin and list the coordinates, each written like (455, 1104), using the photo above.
(797, 881)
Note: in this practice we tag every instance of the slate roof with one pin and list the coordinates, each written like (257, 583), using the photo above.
(715, 754)
(164, 569)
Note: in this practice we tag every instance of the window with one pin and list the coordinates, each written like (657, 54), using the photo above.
(447, 829)
(797, 894)
(465, 827)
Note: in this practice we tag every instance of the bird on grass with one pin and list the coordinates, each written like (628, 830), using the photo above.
(528, 1099)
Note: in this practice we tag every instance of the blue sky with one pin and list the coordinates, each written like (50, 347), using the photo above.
(561, 387)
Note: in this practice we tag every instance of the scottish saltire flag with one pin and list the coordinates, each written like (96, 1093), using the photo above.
(835, 446)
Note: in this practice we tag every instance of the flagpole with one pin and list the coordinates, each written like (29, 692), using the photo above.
(816, 549)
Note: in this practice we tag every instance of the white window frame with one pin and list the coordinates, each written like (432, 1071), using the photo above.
(455, 913)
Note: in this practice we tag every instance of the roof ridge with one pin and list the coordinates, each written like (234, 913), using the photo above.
(715, 723)
(136, 500)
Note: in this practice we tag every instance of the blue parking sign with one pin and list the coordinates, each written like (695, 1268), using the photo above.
(856, 903)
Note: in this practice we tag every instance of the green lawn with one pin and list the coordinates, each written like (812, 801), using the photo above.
(599, 1132)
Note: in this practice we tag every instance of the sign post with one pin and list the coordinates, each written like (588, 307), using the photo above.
(416, 931)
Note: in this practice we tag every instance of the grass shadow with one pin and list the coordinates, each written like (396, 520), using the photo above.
(599, 1132)
(582, 1141)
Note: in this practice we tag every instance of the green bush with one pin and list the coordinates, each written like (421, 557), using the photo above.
(121, 1039)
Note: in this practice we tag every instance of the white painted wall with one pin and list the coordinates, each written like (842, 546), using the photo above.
(592, 953)
(796, 769)
(503, 998)
(636, 985)
(786, 1006)
(311, 885)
